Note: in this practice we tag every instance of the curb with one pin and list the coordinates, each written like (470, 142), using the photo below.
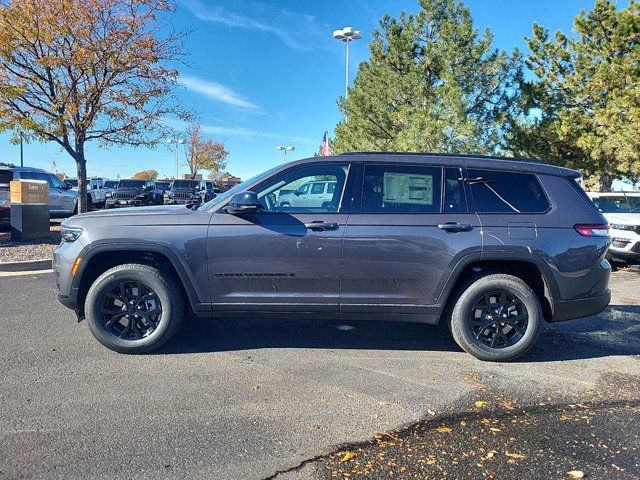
(28, 266)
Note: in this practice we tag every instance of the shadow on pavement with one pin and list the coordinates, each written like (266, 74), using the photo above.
(614, 332)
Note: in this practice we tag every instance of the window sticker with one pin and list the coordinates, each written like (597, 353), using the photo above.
(409, 188)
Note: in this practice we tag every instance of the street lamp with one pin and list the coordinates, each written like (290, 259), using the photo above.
(285, 150)
(178, 140)
(347, 35)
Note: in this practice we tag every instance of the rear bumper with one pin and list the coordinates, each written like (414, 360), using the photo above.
(572, 309)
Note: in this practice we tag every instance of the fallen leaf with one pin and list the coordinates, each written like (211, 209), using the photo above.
(431, 412)
(495, 430)
(576, 474)
(516, 455)
(347, 456)
(481, 404)
(255, 387)
(444, 429)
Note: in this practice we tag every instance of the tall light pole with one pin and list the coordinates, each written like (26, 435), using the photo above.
(285, 150)
(21, 149)
(347, 35)
(178, 140)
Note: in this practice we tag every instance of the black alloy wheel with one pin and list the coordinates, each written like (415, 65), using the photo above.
(130, 310)
(498, 319)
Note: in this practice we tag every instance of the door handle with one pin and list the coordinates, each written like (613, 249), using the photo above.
(455, 227)
(321, 226)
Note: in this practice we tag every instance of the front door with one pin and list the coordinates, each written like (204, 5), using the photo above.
(286, 257)
(412, 227)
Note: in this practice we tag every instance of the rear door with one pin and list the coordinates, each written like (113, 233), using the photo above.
(412, 227)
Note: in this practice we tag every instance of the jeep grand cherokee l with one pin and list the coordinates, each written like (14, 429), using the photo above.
(493, 247)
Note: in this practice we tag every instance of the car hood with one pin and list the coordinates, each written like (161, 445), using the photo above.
(623, 218)
(139, 216)
(134, 190)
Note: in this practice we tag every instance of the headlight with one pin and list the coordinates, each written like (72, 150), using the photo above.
(108, 194)
(70, 234)
(618, 226)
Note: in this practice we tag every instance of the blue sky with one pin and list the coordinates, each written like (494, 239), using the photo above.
(268, 73)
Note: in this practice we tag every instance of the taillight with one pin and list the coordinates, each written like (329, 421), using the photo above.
(592, 230)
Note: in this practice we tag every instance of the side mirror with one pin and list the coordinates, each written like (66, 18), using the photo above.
(244, 202)
(67, 186)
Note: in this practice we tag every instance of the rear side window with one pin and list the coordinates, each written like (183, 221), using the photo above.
(506, 192)
(455, 200)
(401, 189)
(317, 188)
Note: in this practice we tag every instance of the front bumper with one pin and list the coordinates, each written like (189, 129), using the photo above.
(125, 203)
(584, 307)
(180, 201)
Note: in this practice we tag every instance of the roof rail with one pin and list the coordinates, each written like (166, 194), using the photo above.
(450, 155)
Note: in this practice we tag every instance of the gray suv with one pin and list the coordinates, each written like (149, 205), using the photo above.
(493, 247)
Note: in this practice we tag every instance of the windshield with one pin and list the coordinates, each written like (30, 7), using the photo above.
(131, 184)
(223, 197)
(111, 184)
(72, 182)
(185, 184)
(617, 204)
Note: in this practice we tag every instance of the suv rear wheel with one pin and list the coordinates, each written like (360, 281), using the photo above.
(134, 308)
(496, 318)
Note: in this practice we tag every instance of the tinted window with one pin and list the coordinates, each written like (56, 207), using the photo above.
(317, 188)
(506, 192)
(617, 204)
(34, 176)
(331, 187)
(132, 184)
(401, 189)
(6, 176)
(287, 191)
(72, 182)
(455, 200)
(110, 184)
(55, 182)
(185, 184)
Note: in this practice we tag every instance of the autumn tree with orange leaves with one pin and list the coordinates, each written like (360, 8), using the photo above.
(203, 153)
(78, 71)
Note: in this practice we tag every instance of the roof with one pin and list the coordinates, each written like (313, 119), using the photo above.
(527, 165)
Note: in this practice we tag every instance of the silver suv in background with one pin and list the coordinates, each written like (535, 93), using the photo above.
(63, 200)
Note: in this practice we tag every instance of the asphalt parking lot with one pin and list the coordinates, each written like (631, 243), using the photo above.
(259, 398)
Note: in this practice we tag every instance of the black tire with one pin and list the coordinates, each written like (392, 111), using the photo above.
(89, 203)
(513, 338)
(170, 305)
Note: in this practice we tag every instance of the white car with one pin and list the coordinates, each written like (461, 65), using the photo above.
(96, 191)
(314, 194)
(622, 211)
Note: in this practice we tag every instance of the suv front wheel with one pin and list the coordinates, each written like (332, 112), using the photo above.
(496, 318)
(134, 308)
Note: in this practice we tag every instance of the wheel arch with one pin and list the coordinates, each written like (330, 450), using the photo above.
(530, 268)
(99, 258)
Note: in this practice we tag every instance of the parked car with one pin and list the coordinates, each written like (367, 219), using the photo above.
(96, 191)
(493, 247)
(309, 194)
(622, 211)
(63, 200)
(134, 193)
(182, 192)
(207, 190)
(163, 187)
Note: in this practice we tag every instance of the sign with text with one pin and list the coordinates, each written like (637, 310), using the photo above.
(29, 192)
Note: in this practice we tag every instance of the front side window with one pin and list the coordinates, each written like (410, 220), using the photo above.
(506, 192)
(289, 191)
(401, 189)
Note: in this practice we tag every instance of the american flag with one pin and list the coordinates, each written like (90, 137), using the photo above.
(325, 148)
